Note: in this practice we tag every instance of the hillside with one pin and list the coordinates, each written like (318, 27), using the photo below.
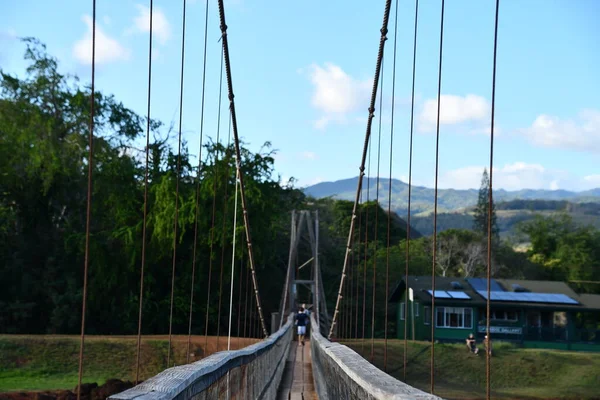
(455, 206)
(510, 213)
(448, 199)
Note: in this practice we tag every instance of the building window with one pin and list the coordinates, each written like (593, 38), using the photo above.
(416, 309)
(503, 315)
(454, 317)
(427, 315)
(402, 311)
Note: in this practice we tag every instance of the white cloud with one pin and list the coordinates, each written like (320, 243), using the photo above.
(8, 38)
(485, 130)
(454, 110)
(321, 123)
(8, 34)
(414, 180)
(309, 155)
(515, 176)
(160, 25)
(313, 181)
(337, 94)
(592, 180)
(581, 134)
(107, 48)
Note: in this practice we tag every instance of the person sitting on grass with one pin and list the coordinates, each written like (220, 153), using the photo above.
(488, 345)
(471, 344)
(301, 320)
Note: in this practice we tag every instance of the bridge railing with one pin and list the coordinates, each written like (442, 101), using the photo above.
(253, 372)
(341, 373)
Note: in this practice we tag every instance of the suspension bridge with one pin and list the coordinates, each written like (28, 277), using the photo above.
(279, 366)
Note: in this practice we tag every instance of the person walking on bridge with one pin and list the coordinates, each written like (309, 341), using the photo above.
(301, 321)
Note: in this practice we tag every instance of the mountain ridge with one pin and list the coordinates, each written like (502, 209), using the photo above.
(449, 200)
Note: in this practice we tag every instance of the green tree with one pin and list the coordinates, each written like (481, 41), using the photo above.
(565, 250)
(44, 117)
(481, 217)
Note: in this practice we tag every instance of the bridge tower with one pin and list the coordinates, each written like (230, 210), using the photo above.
(304, 225)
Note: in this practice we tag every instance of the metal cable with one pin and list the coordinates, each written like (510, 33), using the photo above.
(175, 225)
(351, 296)
(354, 281)
(258, 329)
(490, 205)
(239, 313)
(238, 164)
(376, 216)
(365, 265)
(225, 211)
(143, 261)
(197, 206)
(382, 40)
(246, 300)
(437, 148)
(232, 264)
(214, 209)
(344, 314)
(251, 316)
(389, 221)
(342, 333)
(358, 247)
(352, 274)
(86, 257)
(343, 324)
(410, 158)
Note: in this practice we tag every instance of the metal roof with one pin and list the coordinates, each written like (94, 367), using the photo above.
(421, 286)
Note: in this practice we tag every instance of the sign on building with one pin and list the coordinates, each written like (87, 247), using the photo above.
(509, 330)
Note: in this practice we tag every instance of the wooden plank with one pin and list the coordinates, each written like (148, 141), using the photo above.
(297, 381)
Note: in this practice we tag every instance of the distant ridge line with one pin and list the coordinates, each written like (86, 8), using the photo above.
(450, 200)
(595, 192)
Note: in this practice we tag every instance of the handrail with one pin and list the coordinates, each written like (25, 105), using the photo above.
(357, 378)
(187, 381)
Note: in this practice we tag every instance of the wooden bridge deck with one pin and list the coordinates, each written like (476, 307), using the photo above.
(297, 381)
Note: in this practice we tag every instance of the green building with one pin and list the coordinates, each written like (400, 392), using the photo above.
(540, 314)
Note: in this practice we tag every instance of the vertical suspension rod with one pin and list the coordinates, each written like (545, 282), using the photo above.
(382, 40)
(410, 158)
(86, 258)
(242, 189)
(143, 260)
(176, 222)
(488, 367)
(435, 206)
(389, 220)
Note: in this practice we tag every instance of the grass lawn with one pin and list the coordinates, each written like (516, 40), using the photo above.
(51, 362)
(515, 373)
(39, 362)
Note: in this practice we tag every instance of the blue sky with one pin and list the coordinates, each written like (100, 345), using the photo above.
(302, 75)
